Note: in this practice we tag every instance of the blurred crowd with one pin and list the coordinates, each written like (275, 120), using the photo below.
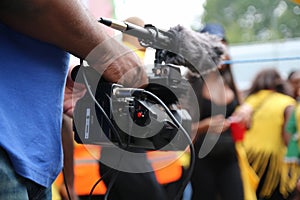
(246, 142)
(244, 145)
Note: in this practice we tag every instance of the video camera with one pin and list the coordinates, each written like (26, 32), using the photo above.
(150, 119)
(130, 117)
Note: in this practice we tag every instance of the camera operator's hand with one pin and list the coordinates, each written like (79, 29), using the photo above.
(131, 74)
(73, 92)
(123, 67)
(68, 25)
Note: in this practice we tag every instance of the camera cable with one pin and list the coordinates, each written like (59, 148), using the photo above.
(66, 184)
(114, 130)
(192, 149)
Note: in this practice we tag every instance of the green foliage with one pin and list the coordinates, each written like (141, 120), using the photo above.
(253, 20)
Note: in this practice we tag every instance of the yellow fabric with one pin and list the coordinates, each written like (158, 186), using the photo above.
(290, 175)
(263, 141)
(267, 121)
(55, 192)
(255, 100)
(139, 52)
(185, 159)
(249, 177)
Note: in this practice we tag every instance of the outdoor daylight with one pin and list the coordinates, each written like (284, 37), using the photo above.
(150, 100)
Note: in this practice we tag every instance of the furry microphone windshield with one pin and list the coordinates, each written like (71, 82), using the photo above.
(200, 52)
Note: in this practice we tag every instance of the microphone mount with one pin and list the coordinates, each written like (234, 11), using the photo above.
(148, 36)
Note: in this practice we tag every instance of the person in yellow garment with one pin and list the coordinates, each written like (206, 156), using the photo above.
(265, 141)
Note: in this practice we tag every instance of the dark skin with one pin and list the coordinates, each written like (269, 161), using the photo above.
(287, 113)
(68, 146)
(69, 26)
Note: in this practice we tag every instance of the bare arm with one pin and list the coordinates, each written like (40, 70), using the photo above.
(215, 124)
(244, 113)
(68, 148)
(287, 113)
(68, 25)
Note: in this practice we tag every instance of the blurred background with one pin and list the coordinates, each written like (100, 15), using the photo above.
(260, 33)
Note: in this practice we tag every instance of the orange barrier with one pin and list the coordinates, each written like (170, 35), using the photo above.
(86, 170)
(167, 168)
(166, 165)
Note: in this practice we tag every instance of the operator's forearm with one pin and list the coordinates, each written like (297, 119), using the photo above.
(64, 23)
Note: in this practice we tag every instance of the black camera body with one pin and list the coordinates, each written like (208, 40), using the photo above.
(134, 120)
(167, 83)
(129, 118)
